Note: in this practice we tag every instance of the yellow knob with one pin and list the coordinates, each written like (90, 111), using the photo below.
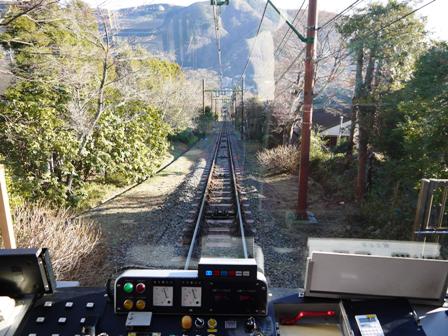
(128, 304)
(140, 304)
(212, 323)
(187, 322)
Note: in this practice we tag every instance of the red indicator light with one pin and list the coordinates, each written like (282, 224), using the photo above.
(300, 315)
(140, 288)
(232, 273)
(216, 273)
(246, 298)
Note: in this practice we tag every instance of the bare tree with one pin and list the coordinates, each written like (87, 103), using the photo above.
(18, 9)
(331, 69)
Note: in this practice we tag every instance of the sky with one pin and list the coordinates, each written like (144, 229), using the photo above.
(435, 12)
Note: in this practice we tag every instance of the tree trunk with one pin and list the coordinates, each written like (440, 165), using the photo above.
(356, 95)
(362, 155)
(99, 106)
(365, 112)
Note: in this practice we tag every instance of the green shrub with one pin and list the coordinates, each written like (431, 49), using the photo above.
(186, 136)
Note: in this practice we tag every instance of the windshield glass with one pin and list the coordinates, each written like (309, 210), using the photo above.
(141, 134)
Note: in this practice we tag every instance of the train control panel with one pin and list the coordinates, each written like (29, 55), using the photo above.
(234, 286)
(228, 297)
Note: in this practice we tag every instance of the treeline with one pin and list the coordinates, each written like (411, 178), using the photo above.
(400, 110)
(82, 105)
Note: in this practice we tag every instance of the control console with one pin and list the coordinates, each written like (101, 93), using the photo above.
(217, 288)
(223, 297)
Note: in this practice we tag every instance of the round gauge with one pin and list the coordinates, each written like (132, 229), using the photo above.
(162, 296)
(191, 296)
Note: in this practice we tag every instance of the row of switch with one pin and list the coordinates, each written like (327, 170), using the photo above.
(61, 320)
(217, 273)
(128, 304)
(187, 323)
(68, 304)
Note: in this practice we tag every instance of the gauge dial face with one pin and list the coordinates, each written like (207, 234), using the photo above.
(191, 296)
(162, 296)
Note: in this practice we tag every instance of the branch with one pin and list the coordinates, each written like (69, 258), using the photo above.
(26, 11)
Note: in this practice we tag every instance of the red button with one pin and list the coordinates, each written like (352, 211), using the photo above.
(216, 272)
(140, 288)
(232, 273)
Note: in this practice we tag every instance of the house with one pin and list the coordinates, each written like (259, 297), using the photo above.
(333, 134)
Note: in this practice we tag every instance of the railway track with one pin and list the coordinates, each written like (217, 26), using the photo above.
(221, 221)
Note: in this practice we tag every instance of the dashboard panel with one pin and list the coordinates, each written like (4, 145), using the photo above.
(179, 291)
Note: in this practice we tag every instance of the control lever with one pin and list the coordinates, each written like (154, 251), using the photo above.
(250, 325)
(300, 315)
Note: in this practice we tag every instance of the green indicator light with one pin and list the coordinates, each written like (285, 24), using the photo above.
(128, 287)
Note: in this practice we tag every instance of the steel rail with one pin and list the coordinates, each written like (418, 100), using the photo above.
(203, 200)
(237, 199)
(200, 216)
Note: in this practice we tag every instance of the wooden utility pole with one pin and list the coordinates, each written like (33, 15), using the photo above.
(307, 119)
(6, 227)
(242, 108)
(234, 107)
(216, 107)
(203, 96)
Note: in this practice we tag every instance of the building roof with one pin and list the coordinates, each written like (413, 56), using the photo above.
(335, 131)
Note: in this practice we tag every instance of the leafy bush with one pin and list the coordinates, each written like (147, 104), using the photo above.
(281, 159)
(318, 149)
(205, 121)
(75, 114)
(72, 242)
(186, 136)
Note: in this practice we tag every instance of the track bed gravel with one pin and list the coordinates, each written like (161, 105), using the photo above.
(281, 237)
(143, 226)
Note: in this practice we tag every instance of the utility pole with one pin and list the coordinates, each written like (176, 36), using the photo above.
(211, 101)
(234, 106)
(307, 119)
(216, 107)
(203, 96)
(242, 108)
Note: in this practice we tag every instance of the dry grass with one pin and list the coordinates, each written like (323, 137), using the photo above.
(281, 159)
(72, 242)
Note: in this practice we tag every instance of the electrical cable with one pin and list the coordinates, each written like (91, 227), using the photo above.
(253, 45)
(218, 43)
(402, 17)
(289, 67)
(340, 14)
(288, 31)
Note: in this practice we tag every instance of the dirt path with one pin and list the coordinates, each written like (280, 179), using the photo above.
(143, 226)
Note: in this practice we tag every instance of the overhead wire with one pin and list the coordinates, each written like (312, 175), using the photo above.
(289, 31)
(334, 18)
(339, 15)
(289, 67)
(253, 44)
(218, 42)
(402, 17)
